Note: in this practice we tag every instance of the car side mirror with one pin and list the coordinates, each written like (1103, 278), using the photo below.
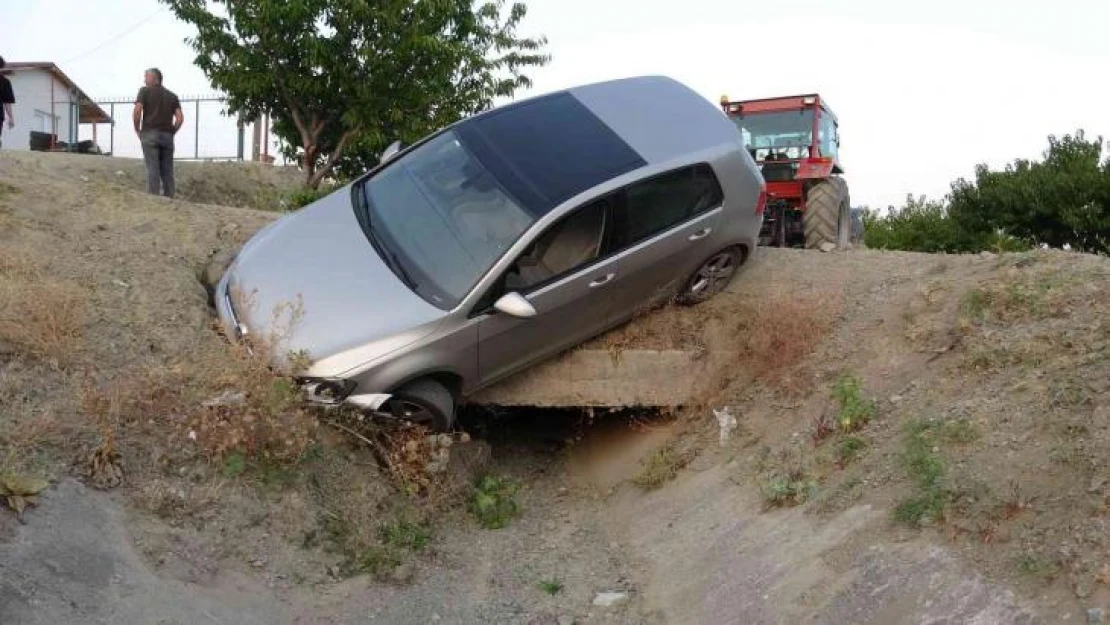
(390, 151)
(515, 305)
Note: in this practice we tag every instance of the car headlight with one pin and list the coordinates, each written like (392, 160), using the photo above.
(327, 390)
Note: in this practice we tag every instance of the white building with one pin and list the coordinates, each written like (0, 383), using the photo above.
(47, 101)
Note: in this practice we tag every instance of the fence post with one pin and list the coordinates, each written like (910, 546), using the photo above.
(239, 152)
(196, 128)
(112, 130)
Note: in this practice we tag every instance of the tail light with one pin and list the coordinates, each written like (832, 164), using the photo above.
(761, 203)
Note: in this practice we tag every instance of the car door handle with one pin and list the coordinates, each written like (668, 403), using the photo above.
(603, 280)
(700, 234)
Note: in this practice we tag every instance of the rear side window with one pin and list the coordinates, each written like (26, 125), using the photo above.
(659, 203)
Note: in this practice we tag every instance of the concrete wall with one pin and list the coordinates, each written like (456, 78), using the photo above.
(32, 89)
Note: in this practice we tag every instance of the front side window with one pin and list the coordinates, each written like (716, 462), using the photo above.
(442, 217)
(661, 202)
(570, 244)
(777, 136)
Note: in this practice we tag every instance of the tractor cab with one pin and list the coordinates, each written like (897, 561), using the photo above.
(795, 142)
(795, 129)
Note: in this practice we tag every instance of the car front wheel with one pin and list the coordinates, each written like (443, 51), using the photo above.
(426, 402)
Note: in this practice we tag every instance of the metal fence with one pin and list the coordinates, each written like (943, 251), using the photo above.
(208, 132)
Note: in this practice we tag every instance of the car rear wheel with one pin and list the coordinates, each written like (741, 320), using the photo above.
(711, 277)
(426, 402)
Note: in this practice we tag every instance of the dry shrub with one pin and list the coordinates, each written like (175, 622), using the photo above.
(40, 318)
(779, 331)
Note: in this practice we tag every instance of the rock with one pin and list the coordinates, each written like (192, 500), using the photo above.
(403, 573)
(1097, 483)
(986, 254)
(1096, 616)
(827, 247)
(464, 464)
(896, 399)
(334, 571)
(566, 620)
(610, 599)
(227, 398)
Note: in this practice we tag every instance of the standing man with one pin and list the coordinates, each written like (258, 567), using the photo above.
(7, 99)
(157, 119)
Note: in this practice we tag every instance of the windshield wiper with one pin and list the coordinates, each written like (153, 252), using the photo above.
(358, 197)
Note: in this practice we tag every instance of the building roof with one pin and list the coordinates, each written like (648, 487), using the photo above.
(90, 112)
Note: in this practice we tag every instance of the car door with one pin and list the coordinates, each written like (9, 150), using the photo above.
(664, 228)
(566, 275)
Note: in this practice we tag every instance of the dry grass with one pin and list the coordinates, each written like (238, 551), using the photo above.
(39, 318)
(780, 330)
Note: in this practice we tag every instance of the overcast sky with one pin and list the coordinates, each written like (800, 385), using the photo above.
(923, 90)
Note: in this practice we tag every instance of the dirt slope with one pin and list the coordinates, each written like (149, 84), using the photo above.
(973, 489)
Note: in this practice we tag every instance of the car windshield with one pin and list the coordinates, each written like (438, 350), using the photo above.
(786, 134)
(440, 216)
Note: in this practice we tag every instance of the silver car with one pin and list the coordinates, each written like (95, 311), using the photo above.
(501, 241)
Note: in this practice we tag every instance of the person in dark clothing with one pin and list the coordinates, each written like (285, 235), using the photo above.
(157, 119)
(7, 99)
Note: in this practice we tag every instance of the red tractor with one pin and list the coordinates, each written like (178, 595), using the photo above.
(794, 140)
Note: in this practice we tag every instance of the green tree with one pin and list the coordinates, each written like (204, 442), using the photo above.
(1063, 199)
(344, 78)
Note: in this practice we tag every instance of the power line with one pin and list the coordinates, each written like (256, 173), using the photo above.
(116, 38)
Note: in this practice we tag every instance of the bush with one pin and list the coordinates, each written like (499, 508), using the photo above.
(923, 225)
(303, 196)
(1062, 200)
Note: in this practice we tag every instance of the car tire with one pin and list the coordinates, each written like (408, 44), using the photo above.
(711, 277)
(425, 402)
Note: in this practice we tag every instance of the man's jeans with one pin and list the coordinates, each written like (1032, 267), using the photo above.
(158, 154)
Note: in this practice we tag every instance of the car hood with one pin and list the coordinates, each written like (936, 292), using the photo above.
(312, 282)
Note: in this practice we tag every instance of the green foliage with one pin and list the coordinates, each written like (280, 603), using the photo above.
(342, 79)
(299, 198)
(848, 449)
(406, 535)
(235, 464)
(551, 586)
(927, 470)
(1064, 199)
(494, 502)
(854, 410)
(788, 490)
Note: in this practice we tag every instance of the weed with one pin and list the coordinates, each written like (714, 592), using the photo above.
(788, 490)
(377, 560)
(406, 535)
(961, 431)
(661, 467)
(928, 471)
(974, 304)
(234, 464)
(1036, 565)
(494, 501)
(854, 411)
(823, 427)
(848, 449)
(551, 586)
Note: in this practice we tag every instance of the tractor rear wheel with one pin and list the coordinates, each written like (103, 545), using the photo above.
(828, 214)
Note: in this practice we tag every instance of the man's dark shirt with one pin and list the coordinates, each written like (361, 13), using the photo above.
(6, 95)
(159, 105)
